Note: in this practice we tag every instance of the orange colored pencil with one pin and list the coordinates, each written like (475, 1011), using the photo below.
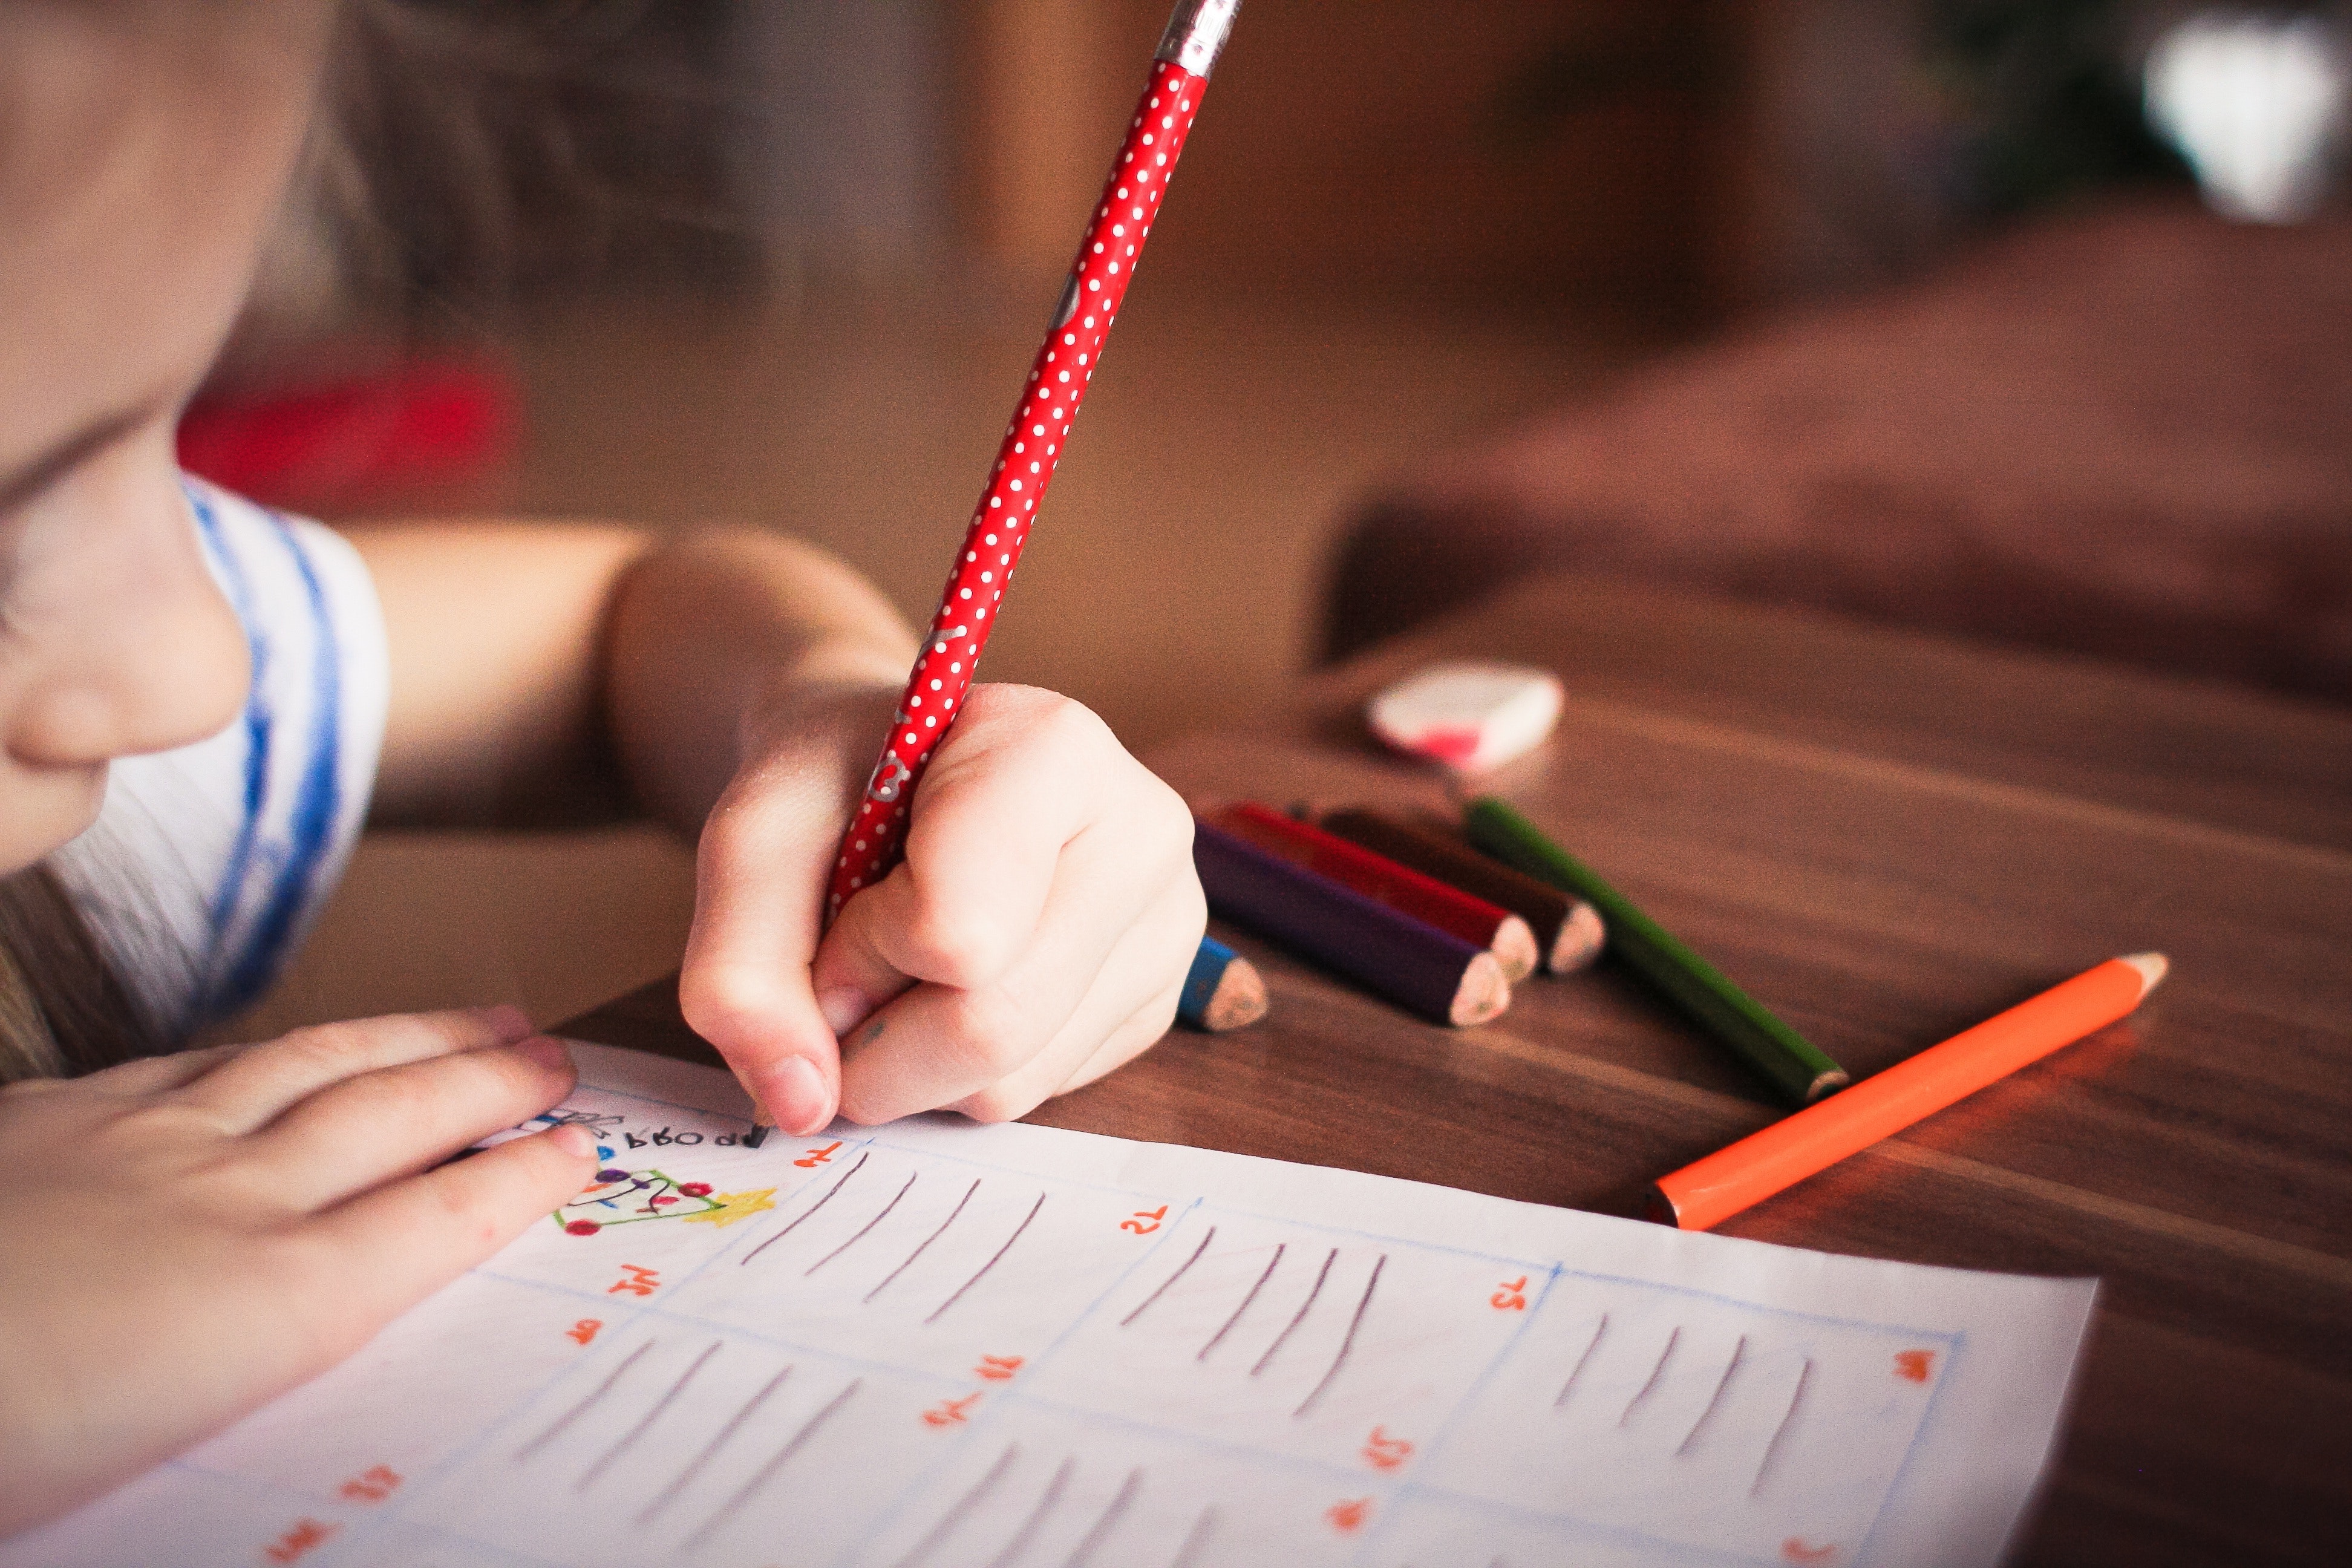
(1702, 1195)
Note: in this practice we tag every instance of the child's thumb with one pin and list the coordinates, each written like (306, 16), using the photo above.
(744, 985)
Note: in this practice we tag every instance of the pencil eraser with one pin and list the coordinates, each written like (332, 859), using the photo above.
(1471, 717)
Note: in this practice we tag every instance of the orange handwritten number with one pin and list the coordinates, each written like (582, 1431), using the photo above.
(585, 1330)
(371, 1485)
(816, 1157)
(641, 1282)
(950, 1412)
(1796, 1551)
(1385, 1452)
(307, 1536)
(1512, 1297)
(1348, 1516)
(1145, 1221)
(1915, 1365)
(997, 1368)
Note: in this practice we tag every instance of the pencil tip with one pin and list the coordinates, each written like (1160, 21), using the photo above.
(2152, 966)
(757, 1136)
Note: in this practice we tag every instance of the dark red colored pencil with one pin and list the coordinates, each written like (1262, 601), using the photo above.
(1434, 973)
(1382, 879)
(1568, 930)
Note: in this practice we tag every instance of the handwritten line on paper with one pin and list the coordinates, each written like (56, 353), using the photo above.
(1046, 1505)
(1300, 1316)
(710, 1450)
(810, 1213)
(1195, 1540)
(921, 1246)
(569, 1416)
(961, 1507)
(1272, 1264)
(992, 1259)
(869, 1225)
(1589, 1346)
(1181, 1269)
(1764, 1466)
(1107, 1521)
(1656, 1373)
(629, 1437)
(1347, 1340)
(1715, 1400)
(767, 1472)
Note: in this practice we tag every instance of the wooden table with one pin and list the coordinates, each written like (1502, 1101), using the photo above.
(1885, 837)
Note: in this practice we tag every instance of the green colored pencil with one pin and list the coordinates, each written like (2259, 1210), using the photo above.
(1798, 1069)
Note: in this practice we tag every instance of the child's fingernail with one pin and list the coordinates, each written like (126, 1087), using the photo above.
(548, 1054)
(844, 1007)
(794, 1092)
(505, 1020)
(573, 1139)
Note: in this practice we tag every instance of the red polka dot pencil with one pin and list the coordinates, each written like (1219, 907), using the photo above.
(1032, 448)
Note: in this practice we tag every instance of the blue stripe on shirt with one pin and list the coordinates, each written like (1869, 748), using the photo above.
(258, 719)
(317, 801)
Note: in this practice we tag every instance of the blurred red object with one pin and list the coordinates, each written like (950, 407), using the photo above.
(348, 439)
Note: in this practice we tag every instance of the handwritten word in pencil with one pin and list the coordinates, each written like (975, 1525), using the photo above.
(1348, 1516)
(950, 1412)
(663, 1137)
(1145, 1221)
(373, 1484)
(585, 1330)
(1511, 1296)
(997, 1368)
(307, 1536)
(1796, 1551)
(640, 1282)
(1383, 1452)
(815, 1157)
(1915, 1365)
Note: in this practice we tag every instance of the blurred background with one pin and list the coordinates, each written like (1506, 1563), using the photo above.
(2028, 320)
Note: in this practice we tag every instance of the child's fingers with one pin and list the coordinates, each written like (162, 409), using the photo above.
(396, 1120)
(760, 874)
(1144, 977)
(392, 1247)
(1012, 788)
(938, 1047)
(156, 1074)
(254, 1086)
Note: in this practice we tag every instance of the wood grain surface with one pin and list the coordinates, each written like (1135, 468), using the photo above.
(1885, 838)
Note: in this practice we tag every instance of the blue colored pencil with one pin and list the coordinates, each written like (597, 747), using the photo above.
(1224, 990)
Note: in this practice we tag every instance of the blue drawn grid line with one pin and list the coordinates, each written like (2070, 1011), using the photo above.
(1954, 1346)
(1013, 1398)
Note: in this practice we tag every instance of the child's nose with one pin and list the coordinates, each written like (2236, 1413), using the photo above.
(151, 657)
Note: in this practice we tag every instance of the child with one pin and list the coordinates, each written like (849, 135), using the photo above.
(202, 1230)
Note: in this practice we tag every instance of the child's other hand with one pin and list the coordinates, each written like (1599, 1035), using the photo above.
(1035, 937)
(191, 1235)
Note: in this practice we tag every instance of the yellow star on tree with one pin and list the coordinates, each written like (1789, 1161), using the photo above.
(729, 1207)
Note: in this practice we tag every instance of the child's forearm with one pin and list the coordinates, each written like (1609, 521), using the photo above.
(718, 643)
(554, 672)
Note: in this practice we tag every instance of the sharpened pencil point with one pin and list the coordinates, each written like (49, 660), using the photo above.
(757, 1136)
(2152, 966)
(1582, 938)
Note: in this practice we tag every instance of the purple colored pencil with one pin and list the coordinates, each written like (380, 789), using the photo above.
(1434, 974)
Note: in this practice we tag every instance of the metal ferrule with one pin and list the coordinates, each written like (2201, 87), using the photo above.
(1197, 32)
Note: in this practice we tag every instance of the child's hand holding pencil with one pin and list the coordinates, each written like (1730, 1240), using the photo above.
(1036, 935)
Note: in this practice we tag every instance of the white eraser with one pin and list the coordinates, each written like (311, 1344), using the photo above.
(1471, 717)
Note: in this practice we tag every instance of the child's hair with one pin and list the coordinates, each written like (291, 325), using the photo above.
(63, 1010)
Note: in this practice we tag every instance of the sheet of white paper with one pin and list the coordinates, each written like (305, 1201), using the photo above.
(936, 1345)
